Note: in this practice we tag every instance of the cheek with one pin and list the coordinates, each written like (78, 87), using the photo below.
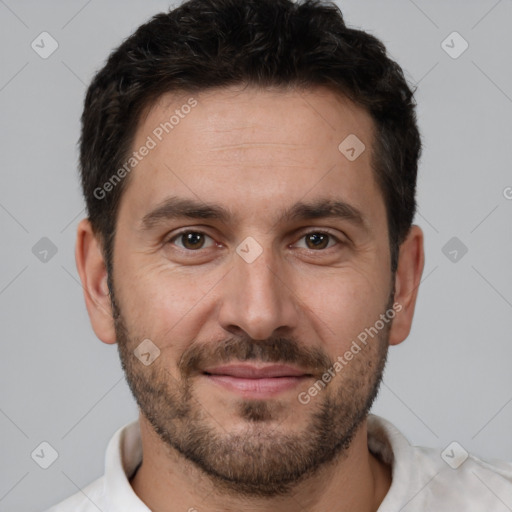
(343, 304)
(167, 305)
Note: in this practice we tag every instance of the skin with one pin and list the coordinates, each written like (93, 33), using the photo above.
(256, 153)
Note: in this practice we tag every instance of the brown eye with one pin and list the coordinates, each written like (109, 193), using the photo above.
(190, 240)
(317, 240)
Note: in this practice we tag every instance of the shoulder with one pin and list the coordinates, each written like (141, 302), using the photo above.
(438, 479)
(464, 478)
(124, 453)
(90, 499)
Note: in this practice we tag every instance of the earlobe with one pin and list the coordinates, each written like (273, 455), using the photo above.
(411, 261)
(93, 274)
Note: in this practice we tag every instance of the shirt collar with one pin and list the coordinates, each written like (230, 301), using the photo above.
(124, 454)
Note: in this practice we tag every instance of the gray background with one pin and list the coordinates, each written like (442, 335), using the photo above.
(451, 380)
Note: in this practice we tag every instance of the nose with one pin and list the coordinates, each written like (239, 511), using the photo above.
(258, 298)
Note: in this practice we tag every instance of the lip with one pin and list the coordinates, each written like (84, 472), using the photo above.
(256, 381)
(249, 371)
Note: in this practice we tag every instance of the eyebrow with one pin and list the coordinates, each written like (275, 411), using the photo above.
(178, 207)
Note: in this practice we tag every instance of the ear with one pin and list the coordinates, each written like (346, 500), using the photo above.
(411, 260)
(93, 274)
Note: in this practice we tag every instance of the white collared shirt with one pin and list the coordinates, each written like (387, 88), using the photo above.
(422, 478)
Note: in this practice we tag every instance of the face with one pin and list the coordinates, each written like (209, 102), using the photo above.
(253, 253)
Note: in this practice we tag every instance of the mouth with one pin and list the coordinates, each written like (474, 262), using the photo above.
(253, 381)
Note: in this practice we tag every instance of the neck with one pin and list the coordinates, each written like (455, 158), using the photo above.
(166, 482)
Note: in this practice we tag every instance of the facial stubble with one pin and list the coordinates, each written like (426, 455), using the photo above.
(263, 460)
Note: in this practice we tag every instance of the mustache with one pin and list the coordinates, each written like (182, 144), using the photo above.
(283, 350)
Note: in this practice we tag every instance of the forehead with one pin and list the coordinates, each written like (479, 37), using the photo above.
(275, 144)
(233, 112)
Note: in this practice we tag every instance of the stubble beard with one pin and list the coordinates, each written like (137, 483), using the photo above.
(262, 460)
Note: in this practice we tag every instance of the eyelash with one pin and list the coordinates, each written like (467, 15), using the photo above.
(198, 232)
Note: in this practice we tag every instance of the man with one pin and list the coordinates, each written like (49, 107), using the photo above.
(249, 168)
